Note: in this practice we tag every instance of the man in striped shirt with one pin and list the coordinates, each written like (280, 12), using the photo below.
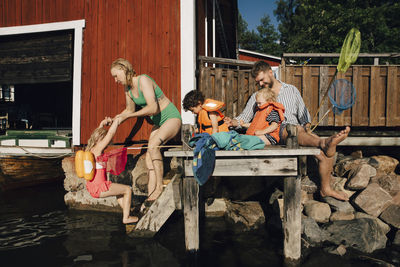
(295, 113)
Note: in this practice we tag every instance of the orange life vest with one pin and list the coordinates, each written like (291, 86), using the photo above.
(203, 120)
(260, 119)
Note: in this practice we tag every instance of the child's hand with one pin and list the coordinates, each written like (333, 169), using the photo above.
(106, 122)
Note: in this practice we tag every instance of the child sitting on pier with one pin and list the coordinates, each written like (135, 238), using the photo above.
(114, 162)
(268, 118)
(209, 117)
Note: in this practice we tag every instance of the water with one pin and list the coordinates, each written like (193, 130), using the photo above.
(36, 229)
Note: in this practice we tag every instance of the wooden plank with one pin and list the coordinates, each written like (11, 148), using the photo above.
(323, 87)
(339, 118)
(241, 91)
(159, 212)
(191, 213)
(292, 207)
(307, 89)
(218, 85)
(393, 97)
(360, 115)
(377, 99)
(252, 85)
(250, 167)
(229, 93)
(271, 151)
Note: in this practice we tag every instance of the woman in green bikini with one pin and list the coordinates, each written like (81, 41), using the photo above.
(142, 90)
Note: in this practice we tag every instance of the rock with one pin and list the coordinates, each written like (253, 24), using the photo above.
(338, 183)
(386, 164)
(319, 211)
(347, 164)
(139, 175)
(389, 182)
(305, 197)
(82, 200)
(216, 209)
(396, 240)
(341, 216)
(362, 234)
(391, 215)
(339, 250)
(245, 216)
(311, 232)
(385, 228)
(275, 195)
(278, 207)
(308, 185)
(338, 205)
(360, 179)
(72, 182)
(373, 200)
(357, 154)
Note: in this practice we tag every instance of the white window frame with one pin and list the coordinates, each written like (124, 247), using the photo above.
(77, 26)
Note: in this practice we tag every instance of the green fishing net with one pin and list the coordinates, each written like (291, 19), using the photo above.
(350, 50)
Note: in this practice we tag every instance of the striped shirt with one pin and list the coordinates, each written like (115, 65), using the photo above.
(289, 96)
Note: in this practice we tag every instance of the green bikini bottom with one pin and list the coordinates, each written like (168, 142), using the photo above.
(168, 113)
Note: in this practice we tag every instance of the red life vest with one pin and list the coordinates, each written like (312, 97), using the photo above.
(203, 119)
(260, 119)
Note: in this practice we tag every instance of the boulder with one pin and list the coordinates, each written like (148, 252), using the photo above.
(389, 182)
(319, 211)
(363, 234)
(311, 232)
(245, 216)
(71, 182)
(360, 178)
(216, 209)
(308, 186)
(341, 216)
(391, 215)
(385, 228)
(386, 164)
(336, 250)
(373, 200)
(82, 200)
(338, 205)
(396, 240)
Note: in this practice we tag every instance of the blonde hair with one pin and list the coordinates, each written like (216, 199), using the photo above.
(268, 94)
(126, 66)
(97, 135)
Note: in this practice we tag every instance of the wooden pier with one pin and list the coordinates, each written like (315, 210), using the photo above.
(183, 191)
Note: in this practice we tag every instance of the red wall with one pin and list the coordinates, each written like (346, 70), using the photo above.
(256, 58)
(145, 32)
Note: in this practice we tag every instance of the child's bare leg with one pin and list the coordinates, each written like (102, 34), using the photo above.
(124, 192)
(265, 140)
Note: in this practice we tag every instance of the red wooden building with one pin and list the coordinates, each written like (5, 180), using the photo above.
(256, 56)
(63, 67)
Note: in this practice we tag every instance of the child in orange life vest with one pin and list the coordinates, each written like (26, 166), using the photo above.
(99, 186)
(268, 118)
(209, 117)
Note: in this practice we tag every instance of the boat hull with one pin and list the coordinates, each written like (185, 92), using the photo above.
(23, 171)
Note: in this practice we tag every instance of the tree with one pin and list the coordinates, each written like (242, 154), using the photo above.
(265, 40)
(321, 25)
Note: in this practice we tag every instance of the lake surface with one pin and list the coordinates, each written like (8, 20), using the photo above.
(37, 229)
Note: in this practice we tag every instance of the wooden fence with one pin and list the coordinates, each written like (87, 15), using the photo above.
(377, 87)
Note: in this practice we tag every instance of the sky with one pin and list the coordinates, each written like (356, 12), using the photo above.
(253, 10)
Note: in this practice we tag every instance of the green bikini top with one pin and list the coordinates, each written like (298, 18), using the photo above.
(141, 101)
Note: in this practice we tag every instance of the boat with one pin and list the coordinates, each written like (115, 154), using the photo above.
(32, 157)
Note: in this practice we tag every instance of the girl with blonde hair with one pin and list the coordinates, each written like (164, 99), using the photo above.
(114, 162)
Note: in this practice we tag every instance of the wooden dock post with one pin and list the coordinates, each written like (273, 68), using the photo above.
(190, 201)
(292, 206)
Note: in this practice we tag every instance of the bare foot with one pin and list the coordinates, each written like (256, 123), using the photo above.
(328, 145)
(340, 195)
(130, 219)
(155, 194)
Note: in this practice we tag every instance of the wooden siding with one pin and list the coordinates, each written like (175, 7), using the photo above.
(145, 32)
(254, 58)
